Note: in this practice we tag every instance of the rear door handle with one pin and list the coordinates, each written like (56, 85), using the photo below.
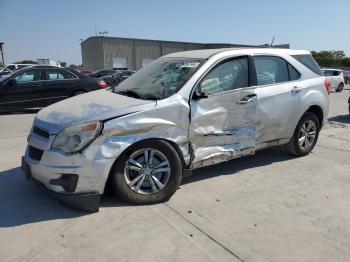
(296, 89)
(247, 99)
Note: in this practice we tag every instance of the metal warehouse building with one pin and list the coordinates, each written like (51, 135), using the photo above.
(128, 53)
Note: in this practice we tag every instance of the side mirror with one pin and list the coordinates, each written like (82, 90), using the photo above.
(13, 82)
(198, 93)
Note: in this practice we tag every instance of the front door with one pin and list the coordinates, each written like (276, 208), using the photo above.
(222, 124)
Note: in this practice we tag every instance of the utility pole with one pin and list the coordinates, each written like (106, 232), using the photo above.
(2, 53)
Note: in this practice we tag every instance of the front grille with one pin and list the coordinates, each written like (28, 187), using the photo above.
(41, 132)
(35, 153)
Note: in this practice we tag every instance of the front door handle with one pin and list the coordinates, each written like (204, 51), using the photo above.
(247, 99)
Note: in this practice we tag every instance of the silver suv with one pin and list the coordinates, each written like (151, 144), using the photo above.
(181, 112)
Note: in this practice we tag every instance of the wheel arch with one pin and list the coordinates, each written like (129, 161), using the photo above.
(171, 143)
(317, 110)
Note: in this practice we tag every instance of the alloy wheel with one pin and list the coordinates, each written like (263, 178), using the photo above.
(307, 135)
(147, 171)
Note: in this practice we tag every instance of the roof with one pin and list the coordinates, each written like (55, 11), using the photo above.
(333, 69)
(207, 53)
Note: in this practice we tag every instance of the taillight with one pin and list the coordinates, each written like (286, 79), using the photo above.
(102, 84)
(327, 85)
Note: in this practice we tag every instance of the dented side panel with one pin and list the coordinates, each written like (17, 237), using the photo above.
(169, 120)
(221, 128)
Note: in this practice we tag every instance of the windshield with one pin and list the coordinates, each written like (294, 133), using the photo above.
(160, 79)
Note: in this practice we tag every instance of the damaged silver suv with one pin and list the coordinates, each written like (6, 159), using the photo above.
(181, 112)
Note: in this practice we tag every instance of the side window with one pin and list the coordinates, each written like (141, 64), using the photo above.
(336, 73)
(11, 67)
(293, 73)
(29, 75)
(270, 70)
(327, 73)
(226, 76)
(58, 74)
(68, 75)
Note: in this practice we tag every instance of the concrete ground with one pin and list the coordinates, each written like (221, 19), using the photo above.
(267, 207)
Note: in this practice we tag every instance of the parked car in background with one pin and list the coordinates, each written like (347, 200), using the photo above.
(14, 67)
(4, 72)
(101, 73)
(183, 111)
(336, 78)
(40, 86)
(346, 77)
(118, 77)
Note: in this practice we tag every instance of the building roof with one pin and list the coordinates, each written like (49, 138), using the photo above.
(182, 42)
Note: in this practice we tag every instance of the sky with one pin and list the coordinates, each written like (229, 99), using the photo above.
(54, 29)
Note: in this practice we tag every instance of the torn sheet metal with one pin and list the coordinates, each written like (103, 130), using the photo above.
(169, 120)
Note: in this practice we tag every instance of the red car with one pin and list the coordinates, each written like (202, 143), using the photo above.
(85, 71)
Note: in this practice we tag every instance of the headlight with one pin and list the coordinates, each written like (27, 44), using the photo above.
(73, 139)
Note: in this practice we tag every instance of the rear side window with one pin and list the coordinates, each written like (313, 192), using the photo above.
(309, 62)
(58, 74)
(270, 70)
(293, 73)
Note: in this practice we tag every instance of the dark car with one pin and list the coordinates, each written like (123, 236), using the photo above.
(40, 86)
(117, 77)
(102, 73)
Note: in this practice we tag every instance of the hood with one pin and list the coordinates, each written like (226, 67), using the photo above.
(93, 106)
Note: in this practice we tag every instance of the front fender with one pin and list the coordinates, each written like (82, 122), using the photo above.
(169, 120)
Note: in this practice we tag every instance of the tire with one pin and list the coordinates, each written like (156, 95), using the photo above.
(304, 147)
(132, 182)
(78, 93)
(340, 87)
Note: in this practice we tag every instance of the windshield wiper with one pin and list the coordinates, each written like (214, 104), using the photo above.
(129, 93)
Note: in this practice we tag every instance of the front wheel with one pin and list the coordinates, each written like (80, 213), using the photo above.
(305, 135)
(148, 172)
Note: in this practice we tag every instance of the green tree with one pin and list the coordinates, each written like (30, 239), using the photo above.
(331, 58)
(26, 62)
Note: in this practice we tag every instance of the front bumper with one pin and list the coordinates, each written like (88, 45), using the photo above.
(76, 179)
(89, 202)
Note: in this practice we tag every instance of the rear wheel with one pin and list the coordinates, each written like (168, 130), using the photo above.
(305, 135)
(340, 87)
(147, 173)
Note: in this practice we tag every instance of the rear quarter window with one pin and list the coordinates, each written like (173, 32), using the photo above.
(309, 62)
